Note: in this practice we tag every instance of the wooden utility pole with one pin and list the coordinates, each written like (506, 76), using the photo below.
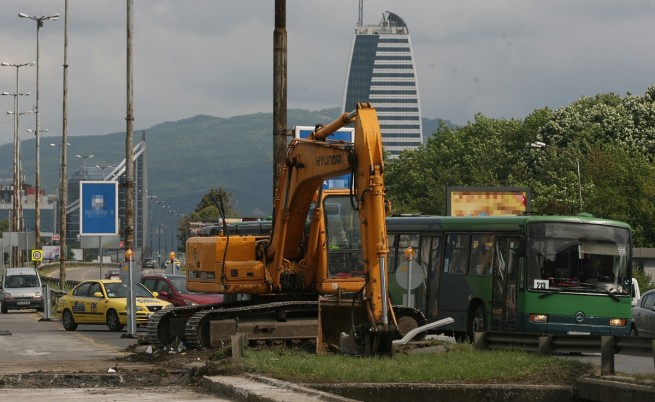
(279, 90)
(63, 187)
(129, 141)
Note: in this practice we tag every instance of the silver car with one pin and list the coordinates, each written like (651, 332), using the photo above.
(643, 316)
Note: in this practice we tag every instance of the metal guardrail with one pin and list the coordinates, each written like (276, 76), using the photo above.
(56, 294)
(607, 346)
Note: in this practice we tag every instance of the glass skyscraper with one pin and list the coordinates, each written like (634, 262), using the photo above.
(381, 71)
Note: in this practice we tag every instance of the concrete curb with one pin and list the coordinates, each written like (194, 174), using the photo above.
(250, 388)
(410, 392)
(612, 389)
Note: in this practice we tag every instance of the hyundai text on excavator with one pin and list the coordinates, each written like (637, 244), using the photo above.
(321, 274)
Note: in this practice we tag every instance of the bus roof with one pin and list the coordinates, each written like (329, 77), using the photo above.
(488, 223)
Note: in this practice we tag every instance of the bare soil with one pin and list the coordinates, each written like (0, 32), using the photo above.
(139, 368)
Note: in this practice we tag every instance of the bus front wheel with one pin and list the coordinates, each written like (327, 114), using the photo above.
(476, 322)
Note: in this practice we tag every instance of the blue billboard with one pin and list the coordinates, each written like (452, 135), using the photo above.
(98, 208)
(342, 134)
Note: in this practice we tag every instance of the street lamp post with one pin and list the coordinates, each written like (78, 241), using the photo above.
(37, 191)
(16, 184)
(16, 153)
(37, 205)
(18, 174)
(543, 145)
(15, 219)
(102, 169)
(84, 158)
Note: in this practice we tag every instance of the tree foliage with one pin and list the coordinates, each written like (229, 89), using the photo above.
(207, 211)
(611, 138)
(4, 226)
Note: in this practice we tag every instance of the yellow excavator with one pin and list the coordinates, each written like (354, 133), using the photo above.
(322, 270)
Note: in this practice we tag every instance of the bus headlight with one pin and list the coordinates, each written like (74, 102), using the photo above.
(540, 318)
(618, 322)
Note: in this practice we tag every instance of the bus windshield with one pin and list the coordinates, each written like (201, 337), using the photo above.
(572, 257)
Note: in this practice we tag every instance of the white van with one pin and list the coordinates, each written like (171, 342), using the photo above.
(21, 289)
(636, 293)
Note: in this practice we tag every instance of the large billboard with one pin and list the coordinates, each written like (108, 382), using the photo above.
(487, 201)
(342, 134)
(99, 208)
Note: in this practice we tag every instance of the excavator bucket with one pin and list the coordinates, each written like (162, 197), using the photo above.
(344, 327)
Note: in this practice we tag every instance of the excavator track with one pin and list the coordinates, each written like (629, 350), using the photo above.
(191, 324)
(158, 329)
(197, 328)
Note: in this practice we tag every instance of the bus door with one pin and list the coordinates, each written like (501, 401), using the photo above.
(454, 290)
(505, 283)
(432, 245)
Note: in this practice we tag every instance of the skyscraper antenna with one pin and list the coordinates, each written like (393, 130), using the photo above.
(360, 15)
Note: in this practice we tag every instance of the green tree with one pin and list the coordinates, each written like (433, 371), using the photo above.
(4, 226)
(612, 138)
(474, 155)
(207, 211)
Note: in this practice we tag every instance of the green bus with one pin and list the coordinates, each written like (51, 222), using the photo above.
(536, 274)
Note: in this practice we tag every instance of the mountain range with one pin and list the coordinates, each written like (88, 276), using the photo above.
(185, 158)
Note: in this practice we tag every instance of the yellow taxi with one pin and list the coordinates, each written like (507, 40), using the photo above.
(105, 302)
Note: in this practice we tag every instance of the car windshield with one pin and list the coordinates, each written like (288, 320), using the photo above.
(22, 281)
(118, 290)
(179, 284)
(578, 258)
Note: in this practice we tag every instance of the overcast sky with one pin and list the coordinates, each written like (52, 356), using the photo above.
(502, 58)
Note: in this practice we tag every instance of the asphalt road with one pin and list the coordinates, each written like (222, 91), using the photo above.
(86, 273)
(29, 345)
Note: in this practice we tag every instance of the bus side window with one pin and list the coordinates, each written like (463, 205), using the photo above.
(397, 251)
(391, 240)
(482, 252)
(456, 256)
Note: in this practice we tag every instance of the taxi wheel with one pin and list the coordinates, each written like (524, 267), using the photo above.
(113, 322)
(68, 321)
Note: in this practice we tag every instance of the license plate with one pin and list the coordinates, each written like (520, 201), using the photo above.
(23, 303)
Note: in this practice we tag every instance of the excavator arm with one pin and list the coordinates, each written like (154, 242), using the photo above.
(309, 162)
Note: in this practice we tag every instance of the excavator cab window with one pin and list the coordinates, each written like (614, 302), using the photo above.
(343, 238)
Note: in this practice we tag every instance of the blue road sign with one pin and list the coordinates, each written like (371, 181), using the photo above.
(99, 208)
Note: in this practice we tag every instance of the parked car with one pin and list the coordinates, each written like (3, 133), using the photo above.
(105, 302)
(149, 263)
(172, 288)
(21, 289)
(643, 315)
(113, 274)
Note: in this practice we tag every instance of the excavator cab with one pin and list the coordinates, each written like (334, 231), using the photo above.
(344, 244)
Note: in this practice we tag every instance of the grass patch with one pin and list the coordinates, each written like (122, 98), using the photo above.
(461, 363)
